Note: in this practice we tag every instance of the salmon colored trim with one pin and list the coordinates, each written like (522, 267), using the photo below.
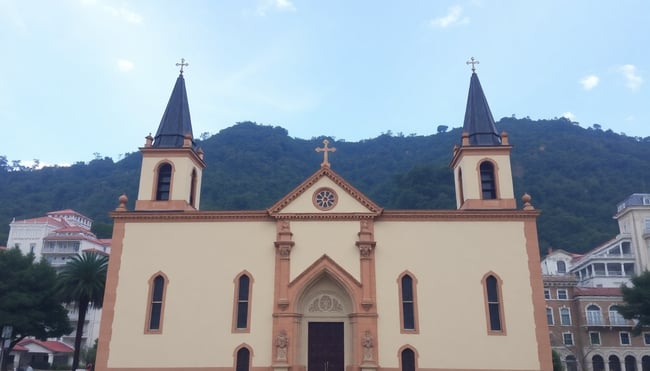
(461, 152)
(387, 215)
(327, 172)
(366, 245)
(537, 292)
(324, 189)
(235, 311)
(153, 152)
(499, 203)
(173, 205)
(416, 355)
(502, 316)
(416, 321)
(110, 293)
(148, 330)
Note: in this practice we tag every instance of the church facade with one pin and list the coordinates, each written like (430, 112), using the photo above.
(325, 279)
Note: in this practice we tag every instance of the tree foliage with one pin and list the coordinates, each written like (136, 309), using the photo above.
(28, 298)
(575, 175)
(636, 301)
(82, 281)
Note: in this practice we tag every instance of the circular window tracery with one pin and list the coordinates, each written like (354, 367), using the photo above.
(325, 198)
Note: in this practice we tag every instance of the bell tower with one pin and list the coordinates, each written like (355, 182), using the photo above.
(172, 165)
(481, 164)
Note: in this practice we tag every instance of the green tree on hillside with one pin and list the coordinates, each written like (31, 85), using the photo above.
(82, 282)
(29, 300)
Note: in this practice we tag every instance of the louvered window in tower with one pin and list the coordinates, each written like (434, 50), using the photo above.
(488, 183)
(164, 182)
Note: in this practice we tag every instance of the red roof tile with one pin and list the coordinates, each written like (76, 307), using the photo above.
(597, 291)
(52, 346)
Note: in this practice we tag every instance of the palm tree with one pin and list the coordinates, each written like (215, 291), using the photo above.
(82, 281)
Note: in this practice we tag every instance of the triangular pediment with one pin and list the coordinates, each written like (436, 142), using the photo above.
(325, 193)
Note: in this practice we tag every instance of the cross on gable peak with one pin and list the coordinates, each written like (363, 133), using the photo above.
(325, 151)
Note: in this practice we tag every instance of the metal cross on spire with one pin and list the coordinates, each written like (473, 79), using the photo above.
(473, 62)
(182, 64)
(325, 149)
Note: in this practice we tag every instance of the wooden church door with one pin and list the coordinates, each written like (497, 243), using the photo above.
(325, 348)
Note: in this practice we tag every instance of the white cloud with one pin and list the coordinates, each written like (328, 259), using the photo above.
(279, 5)
(569, 115)
(123, 13)
(453, 17)
(589, 82)
(633, 80)
(124, 65)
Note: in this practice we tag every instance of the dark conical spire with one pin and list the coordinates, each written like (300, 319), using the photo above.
(176, 122)
(479, 123)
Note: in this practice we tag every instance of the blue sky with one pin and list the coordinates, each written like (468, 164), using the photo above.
(94, 76)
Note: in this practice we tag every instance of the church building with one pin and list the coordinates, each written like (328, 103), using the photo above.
(325, 279)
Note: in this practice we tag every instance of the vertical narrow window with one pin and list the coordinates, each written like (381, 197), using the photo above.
(242, 304)
(157, 287)
(494, 304)
(408, 360)
(243, 360)
(164, 182)
(193, 189)
(630, 363)
(567, 338)
(488, 183)
(561, 267)
(408, 303)
(565, 317)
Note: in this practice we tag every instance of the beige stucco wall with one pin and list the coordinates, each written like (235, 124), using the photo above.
(449, 259)
(181, 178)
(313, 239)
(201, 261)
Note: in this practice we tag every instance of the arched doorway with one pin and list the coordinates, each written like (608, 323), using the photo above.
(325, 326)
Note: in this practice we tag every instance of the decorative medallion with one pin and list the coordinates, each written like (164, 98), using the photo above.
(326, 303)
(325, 198)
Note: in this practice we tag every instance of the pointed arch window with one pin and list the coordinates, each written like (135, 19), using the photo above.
(488, 181)
(407, 358)
(494, 304)
(408, 303)
(156, 305)
(241, 321)
(243, 359)
(164, 183)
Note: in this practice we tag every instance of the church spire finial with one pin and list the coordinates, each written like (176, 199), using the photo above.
(184, 64)
(471, 61)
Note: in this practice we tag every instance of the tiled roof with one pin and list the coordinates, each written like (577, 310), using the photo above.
(52, 346)
(597, 291)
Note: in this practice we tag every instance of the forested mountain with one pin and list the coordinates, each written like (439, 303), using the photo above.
(575, 175)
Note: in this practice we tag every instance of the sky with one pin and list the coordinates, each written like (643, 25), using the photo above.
(87, 77)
